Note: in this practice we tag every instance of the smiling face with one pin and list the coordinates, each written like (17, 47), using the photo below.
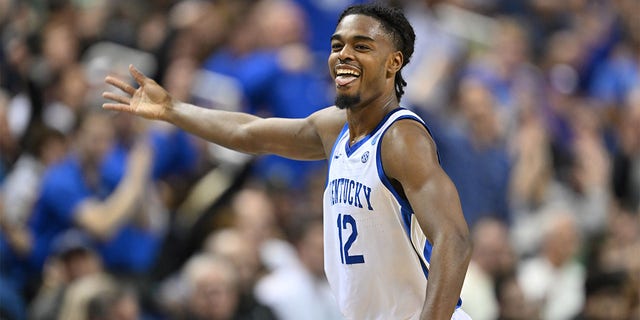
(363, 61)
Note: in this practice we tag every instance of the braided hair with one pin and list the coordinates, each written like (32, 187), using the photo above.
(396, 24)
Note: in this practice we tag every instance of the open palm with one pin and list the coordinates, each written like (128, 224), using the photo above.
(150, 100)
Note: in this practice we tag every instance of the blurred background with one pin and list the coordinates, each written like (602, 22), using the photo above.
(534, 106)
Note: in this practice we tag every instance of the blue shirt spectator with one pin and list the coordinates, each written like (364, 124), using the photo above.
(64, 188)
(270, 88)
(615, 78)
(174, 153)
(480, 174)
(74, 193)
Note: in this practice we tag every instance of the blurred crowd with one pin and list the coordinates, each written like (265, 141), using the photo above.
(534, 106)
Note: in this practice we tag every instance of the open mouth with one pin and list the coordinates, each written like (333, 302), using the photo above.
(345, 75)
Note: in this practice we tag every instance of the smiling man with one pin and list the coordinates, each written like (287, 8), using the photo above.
(392, 217)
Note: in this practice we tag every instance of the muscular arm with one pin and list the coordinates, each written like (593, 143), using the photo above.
(410, 159)
(291, 138)
(303, 139)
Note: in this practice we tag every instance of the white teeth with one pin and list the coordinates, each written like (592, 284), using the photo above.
(342, 72)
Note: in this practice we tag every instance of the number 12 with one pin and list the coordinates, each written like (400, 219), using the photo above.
(343, 221)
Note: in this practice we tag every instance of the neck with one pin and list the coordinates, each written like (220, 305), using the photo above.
(364, 118)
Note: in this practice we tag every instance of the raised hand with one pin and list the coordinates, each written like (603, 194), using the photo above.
(150, 100)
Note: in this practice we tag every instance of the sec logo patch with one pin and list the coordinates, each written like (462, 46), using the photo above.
(365, 157)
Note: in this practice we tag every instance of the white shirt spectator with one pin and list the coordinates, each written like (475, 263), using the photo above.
(293, 293)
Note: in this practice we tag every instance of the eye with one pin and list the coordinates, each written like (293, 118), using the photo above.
(362, 47)
(336, 46)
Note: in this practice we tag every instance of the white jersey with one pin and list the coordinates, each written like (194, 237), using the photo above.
(376, 255)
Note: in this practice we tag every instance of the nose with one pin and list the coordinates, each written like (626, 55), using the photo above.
(345, 54)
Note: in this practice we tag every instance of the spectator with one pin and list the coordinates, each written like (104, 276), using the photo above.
(553, 280)
(626, 159)
(73, 194)
(537, 103)
(590, 172)
(613, 285)
(274, 76)
(505, 69)
(301, 290)
(48, 146)
(60, 46)
(615, 252)
(579, 183)
(120, 303)
(511, 300)
(474, 154)
(230, 244)
(212, 288)
(81, 299)
(73, 257)
(609, 296)
(255, 219)
(492, 259)
(322, 17)
(532, 185)
(431, 75)
(68, 98)
(618, 76)
(20, 191)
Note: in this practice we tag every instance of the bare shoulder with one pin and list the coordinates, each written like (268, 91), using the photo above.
(409, 133)
(328, 123)
(407, 148)
(329, 117)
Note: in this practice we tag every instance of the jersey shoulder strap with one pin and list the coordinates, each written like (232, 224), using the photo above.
(400, 114)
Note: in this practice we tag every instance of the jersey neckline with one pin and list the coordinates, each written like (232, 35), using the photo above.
(350, 149)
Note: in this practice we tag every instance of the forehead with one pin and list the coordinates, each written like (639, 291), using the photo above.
(358, 25)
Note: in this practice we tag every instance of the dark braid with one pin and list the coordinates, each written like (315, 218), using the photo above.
(396, 24)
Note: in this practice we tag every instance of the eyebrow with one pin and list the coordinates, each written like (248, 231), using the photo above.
(356, 37)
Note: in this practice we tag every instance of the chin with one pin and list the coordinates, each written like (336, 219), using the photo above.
(347, 101)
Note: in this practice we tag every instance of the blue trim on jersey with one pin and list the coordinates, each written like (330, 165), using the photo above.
(383, 176)
(428, 247)
(404, 203)
(406, 219)
(351, 149)
(405, 206)
(333, 151)
(425, 270)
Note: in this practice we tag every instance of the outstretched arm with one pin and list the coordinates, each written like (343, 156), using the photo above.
(409, 158)
(293, 138)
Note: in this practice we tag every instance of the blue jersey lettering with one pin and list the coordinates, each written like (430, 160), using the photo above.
(351, 192)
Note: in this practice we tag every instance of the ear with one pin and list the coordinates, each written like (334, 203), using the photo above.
(394, 63)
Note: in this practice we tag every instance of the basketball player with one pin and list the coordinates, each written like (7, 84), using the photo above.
(392, 217)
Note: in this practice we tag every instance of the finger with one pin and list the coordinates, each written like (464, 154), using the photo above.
(120, 85)
(137, 75)
(117, 107)
(116, 97)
